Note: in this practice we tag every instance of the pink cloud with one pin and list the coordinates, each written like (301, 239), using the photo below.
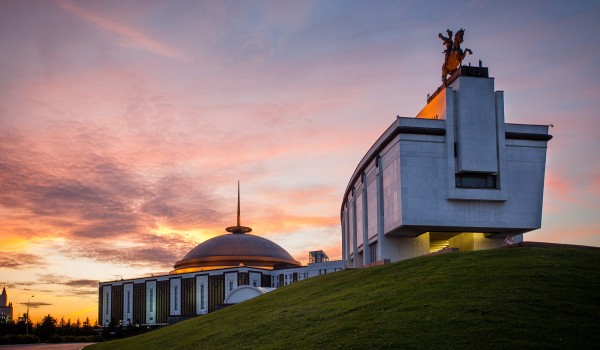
(558, 185)
(131, 37)
(596, 185)
(568, 234)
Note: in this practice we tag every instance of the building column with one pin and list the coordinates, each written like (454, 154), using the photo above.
(366, 250)
(379, 210)
(344, 238)
(353, 231)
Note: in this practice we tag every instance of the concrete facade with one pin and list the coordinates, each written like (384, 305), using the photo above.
(456, 176)
(170, 298)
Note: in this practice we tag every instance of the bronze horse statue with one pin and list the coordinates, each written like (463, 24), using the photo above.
(454, 54)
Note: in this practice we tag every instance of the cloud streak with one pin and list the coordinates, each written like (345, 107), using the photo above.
(12, 260)
(36, 304)
(130, 37)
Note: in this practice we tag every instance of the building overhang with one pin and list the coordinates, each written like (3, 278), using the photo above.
(417, 230)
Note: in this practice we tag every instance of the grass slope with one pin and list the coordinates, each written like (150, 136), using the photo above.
(501, 298)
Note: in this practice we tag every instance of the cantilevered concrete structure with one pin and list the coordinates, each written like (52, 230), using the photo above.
(456, 176)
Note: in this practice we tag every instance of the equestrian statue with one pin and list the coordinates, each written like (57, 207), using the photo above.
(454, 55)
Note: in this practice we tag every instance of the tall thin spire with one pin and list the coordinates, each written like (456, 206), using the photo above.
(238, 216)
(238, 228)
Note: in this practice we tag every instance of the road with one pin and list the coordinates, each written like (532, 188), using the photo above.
(67, 346)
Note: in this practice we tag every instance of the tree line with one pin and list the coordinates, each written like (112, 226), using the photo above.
(48, 330)
(51, 330)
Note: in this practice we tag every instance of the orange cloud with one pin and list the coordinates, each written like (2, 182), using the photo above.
(287, 223)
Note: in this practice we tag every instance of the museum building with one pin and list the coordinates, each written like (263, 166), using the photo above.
(223, 270)
(455, 177)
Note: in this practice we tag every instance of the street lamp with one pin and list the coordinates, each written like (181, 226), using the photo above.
(27, 318)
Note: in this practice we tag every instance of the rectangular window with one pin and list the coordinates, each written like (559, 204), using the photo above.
(202, 296)
(175, 298)
(230, 286)
(475, 180)
(151, 300)
(106, 303)
(373, 251)
(128, 302)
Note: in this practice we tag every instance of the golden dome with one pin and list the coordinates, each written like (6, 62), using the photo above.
(234, 250)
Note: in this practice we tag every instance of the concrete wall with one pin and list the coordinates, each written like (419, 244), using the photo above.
(397, 248)
(106, 304)
(202, 294)
(151, 302)
(175, 296)
(202, 288)
(128, 303)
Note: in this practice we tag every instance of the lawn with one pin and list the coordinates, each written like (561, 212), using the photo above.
(503, 298)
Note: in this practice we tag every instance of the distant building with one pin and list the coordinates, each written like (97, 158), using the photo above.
(456, 176)
(317, 256)
(223, 270)
(6, 308)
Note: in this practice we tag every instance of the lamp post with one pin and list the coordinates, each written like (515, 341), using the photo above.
(27, 318)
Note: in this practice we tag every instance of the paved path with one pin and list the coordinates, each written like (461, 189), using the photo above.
(66, 346)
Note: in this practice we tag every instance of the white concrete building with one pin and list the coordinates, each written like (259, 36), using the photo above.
(456, 176)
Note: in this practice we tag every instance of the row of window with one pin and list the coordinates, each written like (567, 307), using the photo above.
(152, 298)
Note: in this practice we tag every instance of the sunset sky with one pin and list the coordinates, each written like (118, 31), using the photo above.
(125, 125)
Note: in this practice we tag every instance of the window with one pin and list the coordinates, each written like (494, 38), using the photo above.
(175, 308)
(373, 252)
(202, 296)
(151, 300)
(243, 279)
(107, 303)
(230, 286)
(128, 302)
(475, 180)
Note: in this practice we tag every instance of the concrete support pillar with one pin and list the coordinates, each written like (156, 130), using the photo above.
(365, 221)
(353, 231)
(379, 210)
(344, 239)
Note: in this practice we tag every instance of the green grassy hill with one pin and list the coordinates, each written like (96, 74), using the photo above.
(501, 298)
